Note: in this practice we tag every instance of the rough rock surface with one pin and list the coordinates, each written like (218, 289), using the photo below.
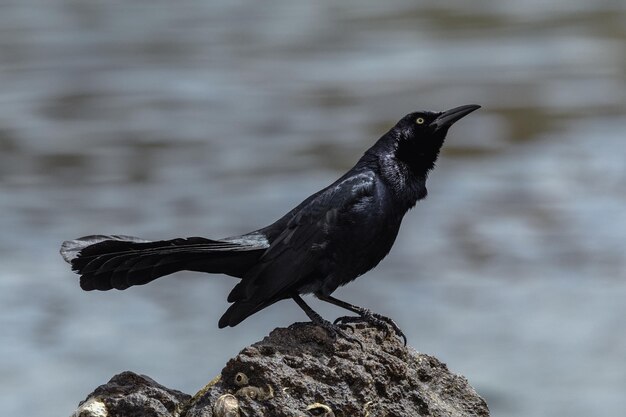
(129, 394)
(301, 371)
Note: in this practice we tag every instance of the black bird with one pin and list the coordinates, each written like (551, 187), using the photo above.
(328, 240)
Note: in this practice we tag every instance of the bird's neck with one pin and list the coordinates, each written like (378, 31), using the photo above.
(406, 185)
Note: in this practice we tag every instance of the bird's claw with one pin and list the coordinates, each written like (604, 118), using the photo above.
(334, 330)
(375, 319)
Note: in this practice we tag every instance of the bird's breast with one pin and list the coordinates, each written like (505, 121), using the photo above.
(352, 257)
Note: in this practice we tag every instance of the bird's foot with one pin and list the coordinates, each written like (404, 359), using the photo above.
(334, 330)
(376, 320)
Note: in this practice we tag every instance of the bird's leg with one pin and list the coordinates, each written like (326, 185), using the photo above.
(375, 319)
(332, 329)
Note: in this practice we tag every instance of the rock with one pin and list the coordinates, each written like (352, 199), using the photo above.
(300, 371)
(129, 394)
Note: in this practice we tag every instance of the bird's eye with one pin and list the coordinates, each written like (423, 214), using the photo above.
(419, 121)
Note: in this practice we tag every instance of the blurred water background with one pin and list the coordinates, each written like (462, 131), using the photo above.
(164, 119)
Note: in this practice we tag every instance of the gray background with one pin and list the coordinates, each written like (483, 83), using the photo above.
(163, 119)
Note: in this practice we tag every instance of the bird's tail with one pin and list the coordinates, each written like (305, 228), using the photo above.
(115, 261)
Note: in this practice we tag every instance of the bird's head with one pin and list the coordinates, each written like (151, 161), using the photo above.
(417, 138)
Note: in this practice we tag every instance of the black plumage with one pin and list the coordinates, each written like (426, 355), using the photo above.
(328, 240)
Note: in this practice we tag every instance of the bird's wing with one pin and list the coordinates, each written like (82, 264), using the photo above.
(298, 252)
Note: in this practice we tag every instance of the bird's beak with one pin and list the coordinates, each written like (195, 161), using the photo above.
(449, 117)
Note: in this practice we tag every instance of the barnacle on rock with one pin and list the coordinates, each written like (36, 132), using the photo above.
(256, 393)
(241, 379)
(321, 410)
(226, 406)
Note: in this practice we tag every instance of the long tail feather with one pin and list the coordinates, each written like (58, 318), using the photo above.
(116, 261)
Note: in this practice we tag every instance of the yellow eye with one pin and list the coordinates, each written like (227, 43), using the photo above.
(419, 121)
